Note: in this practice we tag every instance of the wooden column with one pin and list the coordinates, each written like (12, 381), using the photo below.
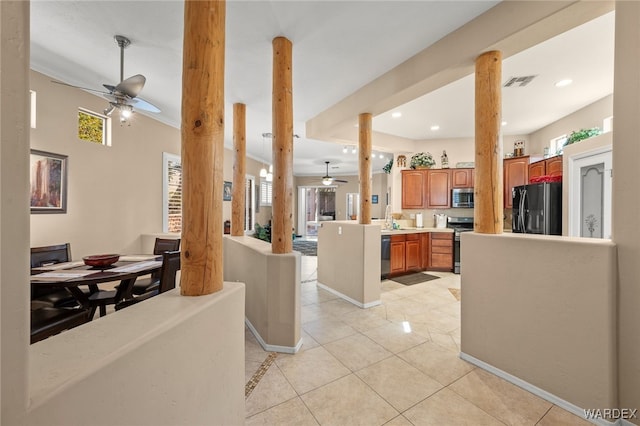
(364, 141)
(282, 146)
(488, 211)
(239, 170)
(202, 146)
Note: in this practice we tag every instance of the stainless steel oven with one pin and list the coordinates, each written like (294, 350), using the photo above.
(459, 225)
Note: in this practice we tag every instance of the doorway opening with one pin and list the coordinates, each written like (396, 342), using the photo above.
(315, 205)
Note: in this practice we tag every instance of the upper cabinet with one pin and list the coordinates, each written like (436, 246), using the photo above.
(462, 178)
(413, 189)
(431, 188)
(439, 188)
(550, 166)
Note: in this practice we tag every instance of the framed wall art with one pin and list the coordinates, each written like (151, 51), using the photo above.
(226, 194)
(48, 189)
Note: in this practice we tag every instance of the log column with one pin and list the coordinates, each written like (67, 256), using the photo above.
(239, 170)
(202, 146)
(488, 211)
(364, 141)
(282, 147)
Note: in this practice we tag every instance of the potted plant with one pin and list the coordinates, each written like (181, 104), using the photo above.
(422, 160)
(387, 167)
(582, 134)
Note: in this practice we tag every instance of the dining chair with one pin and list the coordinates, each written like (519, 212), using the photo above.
(168, 272)
(47, 321)
(50, 296)
(146, 285)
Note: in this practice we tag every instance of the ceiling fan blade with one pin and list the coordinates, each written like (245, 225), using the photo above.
(109, 87)
(131, 86)
(340, 180)
(77, 87)
(144, 105)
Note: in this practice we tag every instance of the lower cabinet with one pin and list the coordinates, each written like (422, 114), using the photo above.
(420, 251)
(440, 251)
(397, 264)
(412, 253)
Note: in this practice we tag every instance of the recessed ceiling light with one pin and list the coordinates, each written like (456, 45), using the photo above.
(396, 114)
(435, 127)
(563, 83)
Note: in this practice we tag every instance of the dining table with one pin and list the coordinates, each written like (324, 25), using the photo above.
(76, 275)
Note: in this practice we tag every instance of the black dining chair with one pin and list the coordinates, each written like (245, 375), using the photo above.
(146, 285)
(168, 272)
(51, 296)
(48, 321)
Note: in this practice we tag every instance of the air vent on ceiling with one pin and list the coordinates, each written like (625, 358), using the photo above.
(519, 81)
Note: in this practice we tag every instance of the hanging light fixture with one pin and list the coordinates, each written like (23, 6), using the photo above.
(353, 150)
(345, 149)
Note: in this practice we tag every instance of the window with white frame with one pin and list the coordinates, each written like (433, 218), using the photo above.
(556, 144)
(172, 196)
(94, 127)
(266, 194)
(249, 204)
(171, 193)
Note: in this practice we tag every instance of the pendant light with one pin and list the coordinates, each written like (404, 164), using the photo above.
(263, 170)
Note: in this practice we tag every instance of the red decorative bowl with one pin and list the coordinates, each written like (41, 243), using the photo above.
(101, 259)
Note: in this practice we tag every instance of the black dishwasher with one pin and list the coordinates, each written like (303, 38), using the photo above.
(385, 262)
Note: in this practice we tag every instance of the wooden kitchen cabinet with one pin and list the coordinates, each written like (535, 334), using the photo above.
(426, 256)
(412, 253)
(397, 261)
(413, 189)
(462, 178)
(441, 251)
(550, 166)
(438, 188)
(554, 166)
(516, 172)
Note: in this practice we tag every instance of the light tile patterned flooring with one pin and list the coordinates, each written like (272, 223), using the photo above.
(365, 367)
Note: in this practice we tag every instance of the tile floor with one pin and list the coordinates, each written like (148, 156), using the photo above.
(395, 364)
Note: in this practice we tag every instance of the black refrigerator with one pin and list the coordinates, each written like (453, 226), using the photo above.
(537, 208)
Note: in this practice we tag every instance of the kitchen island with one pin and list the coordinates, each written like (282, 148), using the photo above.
(412, 249)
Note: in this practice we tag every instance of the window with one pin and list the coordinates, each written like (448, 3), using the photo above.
(171, 193)
(265, 192)
(172, 196)
(249, 204)
(33, 108)
(556, 144)
(93, 127)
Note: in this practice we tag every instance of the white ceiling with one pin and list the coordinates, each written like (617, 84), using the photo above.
(337, 48)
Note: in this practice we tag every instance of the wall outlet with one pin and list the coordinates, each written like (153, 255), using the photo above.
(339, 230)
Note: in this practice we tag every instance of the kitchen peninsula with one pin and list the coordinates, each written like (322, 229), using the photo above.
(413, 249)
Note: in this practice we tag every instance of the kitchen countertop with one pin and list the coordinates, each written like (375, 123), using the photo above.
(413, 230)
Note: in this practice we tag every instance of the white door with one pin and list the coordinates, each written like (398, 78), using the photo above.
(590, 176)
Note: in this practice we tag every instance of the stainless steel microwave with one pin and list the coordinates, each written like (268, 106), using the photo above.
(462, 198)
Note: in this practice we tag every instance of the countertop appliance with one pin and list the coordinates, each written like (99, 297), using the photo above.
(537, 208)
(459, 225)
(462, 198)
(385, 259)
(439, 220)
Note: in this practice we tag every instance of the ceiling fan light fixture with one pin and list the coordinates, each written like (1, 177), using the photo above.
(327, 181)
(108, 110)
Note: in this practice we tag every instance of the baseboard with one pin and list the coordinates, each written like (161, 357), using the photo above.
(566, 405)
(348, 299)
(272, 348)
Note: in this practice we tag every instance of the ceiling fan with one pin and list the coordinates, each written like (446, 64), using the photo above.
(328, 180)
(124, 96)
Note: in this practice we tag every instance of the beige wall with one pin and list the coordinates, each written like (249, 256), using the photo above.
(546, 315)
(626, 203)
(590, 116)
(349, 261)
(14, 219)
(114, 192)
(144, 369)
